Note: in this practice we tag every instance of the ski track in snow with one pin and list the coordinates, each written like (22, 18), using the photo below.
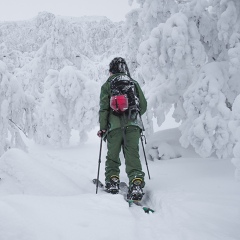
(47, 194)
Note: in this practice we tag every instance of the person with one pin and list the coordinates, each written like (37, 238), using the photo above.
(122, 132)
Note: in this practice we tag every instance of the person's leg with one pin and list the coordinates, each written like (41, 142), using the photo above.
(131, 154)
(114, 143)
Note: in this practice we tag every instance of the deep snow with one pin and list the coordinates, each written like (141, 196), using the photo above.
(47, 194)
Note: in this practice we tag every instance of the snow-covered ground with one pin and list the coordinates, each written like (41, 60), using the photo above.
(47, 194)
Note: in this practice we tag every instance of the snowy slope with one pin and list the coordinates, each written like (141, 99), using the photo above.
(47, 194)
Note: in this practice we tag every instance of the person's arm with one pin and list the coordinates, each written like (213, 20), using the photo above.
(104, 107)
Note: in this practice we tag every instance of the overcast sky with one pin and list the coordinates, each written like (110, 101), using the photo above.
(27, 9)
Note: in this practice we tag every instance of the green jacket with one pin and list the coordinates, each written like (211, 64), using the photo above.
(109, 121)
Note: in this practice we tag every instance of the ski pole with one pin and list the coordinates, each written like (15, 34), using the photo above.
(145, 154)
(99, 162)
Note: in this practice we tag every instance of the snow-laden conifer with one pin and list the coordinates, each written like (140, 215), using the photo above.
(15, 112)
(70, 103)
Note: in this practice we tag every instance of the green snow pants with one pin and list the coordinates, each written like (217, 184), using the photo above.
(115, 141)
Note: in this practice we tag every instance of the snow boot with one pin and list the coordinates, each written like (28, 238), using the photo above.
(113, 185)
(135, 191)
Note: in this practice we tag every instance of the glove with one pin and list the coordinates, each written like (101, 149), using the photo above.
(101, 132)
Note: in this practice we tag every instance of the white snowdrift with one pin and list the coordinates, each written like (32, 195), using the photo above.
(47, 194)
(25, 174)
(165, 145)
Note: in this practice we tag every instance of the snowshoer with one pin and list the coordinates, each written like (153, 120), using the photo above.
(121, 125)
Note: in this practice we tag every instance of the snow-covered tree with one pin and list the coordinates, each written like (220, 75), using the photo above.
(172, 53)
(208, 101)
(169, 59)
(15, 111)
(70, 103)
(218, 24)
(234, 126)
(58, 63)
(143, 48)
(141, 21)
(206, 124)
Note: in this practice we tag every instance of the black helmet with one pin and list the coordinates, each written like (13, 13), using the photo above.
(118, 65)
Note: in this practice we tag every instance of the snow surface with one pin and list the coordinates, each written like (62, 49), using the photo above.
(47, 194)
(185, 56)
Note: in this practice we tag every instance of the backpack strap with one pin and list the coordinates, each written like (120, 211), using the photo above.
(132, 108)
